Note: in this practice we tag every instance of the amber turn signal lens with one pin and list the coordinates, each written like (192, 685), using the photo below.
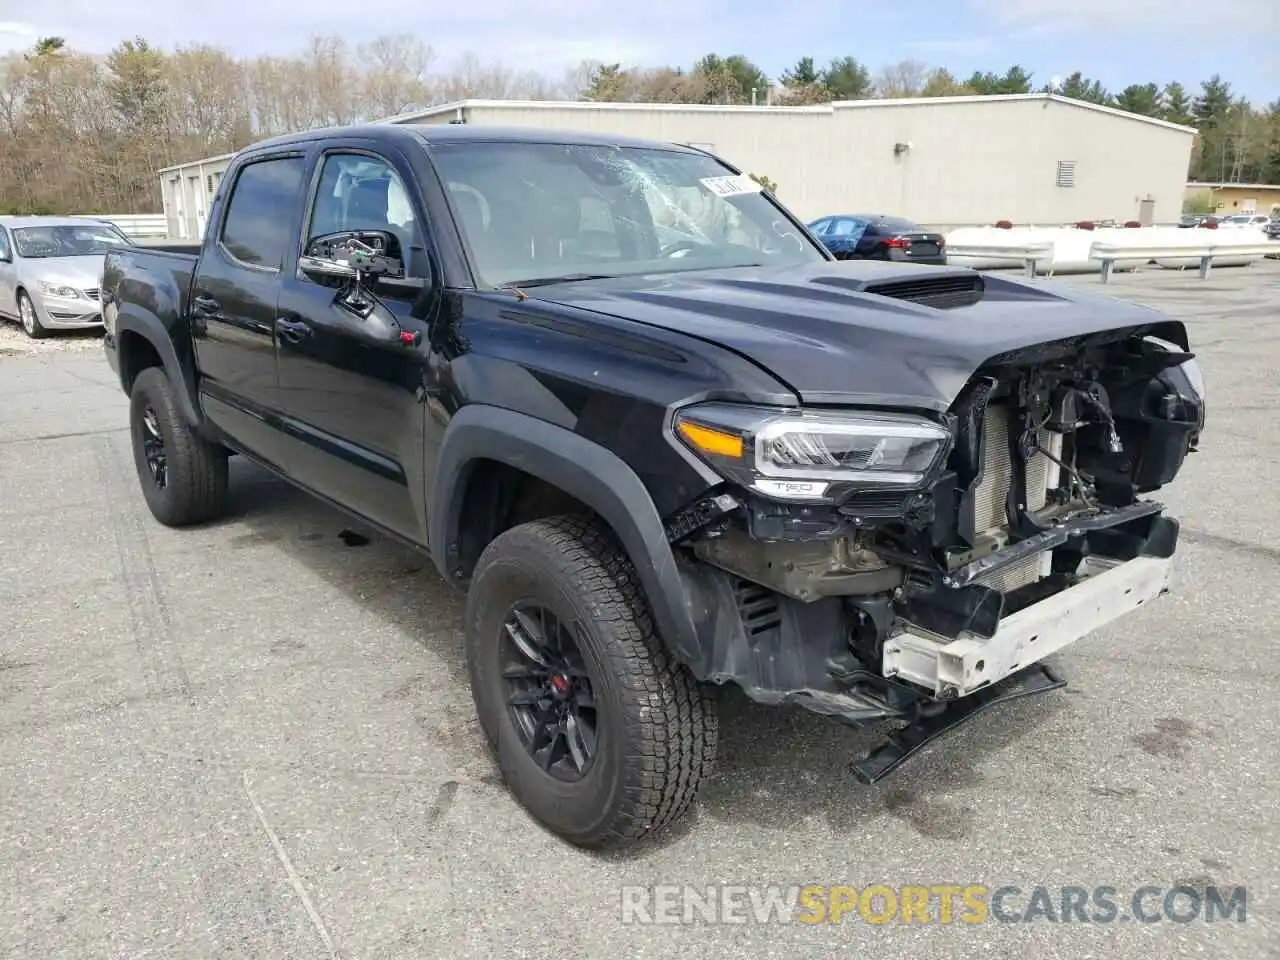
(714, 442)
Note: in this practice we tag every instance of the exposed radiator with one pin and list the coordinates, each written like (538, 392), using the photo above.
(993, 491)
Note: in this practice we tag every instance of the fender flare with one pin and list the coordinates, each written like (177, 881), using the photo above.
(581, 468)
(133, 320)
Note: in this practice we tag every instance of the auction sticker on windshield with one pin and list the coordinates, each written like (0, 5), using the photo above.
(731, 186)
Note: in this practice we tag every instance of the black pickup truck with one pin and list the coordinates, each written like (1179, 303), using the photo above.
(665, 441)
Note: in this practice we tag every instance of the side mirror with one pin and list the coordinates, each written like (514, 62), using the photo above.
(5, 257)
(369, 257)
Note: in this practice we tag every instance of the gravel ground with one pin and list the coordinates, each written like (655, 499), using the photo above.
(252, 740)
(15, 343)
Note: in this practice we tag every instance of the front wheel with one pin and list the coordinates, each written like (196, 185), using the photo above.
(183, 476)
(31, 324)
(598, 732)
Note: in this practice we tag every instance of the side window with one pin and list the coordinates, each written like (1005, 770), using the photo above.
(842, 228)
(359, 192)
(260, 220)
(820, 228)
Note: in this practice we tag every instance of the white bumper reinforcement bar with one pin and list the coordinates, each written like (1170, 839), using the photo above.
(956, 668)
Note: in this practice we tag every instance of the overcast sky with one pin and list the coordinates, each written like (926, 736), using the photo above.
(1116, 41)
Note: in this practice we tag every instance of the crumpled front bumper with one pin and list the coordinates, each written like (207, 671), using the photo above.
(784, 651)
(956, 668)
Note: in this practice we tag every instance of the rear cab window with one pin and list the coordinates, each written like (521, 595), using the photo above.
(262, 212)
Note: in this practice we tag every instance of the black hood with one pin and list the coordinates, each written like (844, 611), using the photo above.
(823, 332)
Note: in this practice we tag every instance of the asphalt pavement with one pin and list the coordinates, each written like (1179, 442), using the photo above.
(255, 739)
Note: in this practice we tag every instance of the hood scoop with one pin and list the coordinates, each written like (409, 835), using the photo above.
(941, 291)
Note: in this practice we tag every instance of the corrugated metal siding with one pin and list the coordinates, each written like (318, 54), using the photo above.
(981, 162)
(969, 162)
(187, 194)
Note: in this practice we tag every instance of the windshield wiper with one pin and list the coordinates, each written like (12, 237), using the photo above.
(547, 281)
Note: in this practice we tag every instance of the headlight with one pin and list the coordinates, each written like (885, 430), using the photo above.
(802, 455)
(52, 288)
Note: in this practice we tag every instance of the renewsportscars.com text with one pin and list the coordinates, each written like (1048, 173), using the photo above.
(930, 904)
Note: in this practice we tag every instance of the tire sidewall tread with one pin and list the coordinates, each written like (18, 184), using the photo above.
(196, 487)
(658, 731)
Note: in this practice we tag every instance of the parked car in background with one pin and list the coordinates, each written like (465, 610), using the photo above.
(1258, 220)
(874, 236)
(1197, 220)
(1273, 228)
(51, 271)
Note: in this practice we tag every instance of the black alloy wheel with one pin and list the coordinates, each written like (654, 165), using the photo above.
(597, 730)
(153, 448)
(549, 692)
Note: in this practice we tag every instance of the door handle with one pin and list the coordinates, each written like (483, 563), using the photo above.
(206, 305)
(292, 331)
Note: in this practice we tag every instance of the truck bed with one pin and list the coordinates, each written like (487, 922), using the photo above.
(156, 278)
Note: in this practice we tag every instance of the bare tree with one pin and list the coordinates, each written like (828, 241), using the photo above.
(903, 79)
(395, 78)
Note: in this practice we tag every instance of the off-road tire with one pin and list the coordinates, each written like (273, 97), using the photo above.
(196, 487)
(28, 319)
(657, 730)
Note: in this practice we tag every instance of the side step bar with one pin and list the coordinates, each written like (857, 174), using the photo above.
(904, 744)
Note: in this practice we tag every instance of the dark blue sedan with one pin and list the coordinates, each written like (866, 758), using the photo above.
(874, 236)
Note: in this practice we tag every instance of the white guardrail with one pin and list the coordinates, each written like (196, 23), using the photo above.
(137, 226)
(1049, 251)
(1109, 254)
(1028, 255)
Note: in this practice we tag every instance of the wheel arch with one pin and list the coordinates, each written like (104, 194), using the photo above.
(560, 462)
(142, 341)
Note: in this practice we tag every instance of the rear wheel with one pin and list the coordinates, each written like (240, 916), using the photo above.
(31, 324)
(183, 476)
(599, 734)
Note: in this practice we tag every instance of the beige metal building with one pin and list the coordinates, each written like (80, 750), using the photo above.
(945, 161)
(1231, 198)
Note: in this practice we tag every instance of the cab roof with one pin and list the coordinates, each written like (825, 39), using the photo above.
(443, 133)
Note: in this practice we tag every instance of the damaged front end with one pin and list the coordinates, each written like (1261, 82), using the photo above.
(876, 565)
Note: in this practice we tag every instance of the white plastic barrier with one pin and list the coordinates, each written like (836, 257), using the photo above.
(1072, 249)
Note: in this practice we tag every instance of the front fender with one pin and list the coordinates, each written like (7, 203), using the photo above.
(581, 468)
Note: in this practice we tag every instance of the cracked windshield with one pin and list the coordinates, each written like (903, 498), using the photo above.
(546, 212)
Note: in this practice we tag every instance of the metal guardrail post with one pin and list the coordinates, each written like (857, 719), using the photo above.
(1206, 263)
(1107, 264)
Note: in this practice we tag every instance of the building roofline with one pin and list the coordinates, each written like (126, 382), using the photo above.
(196, 163)
(456, 105)
(1224, 185)
(1010, 97)
(819, 108)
